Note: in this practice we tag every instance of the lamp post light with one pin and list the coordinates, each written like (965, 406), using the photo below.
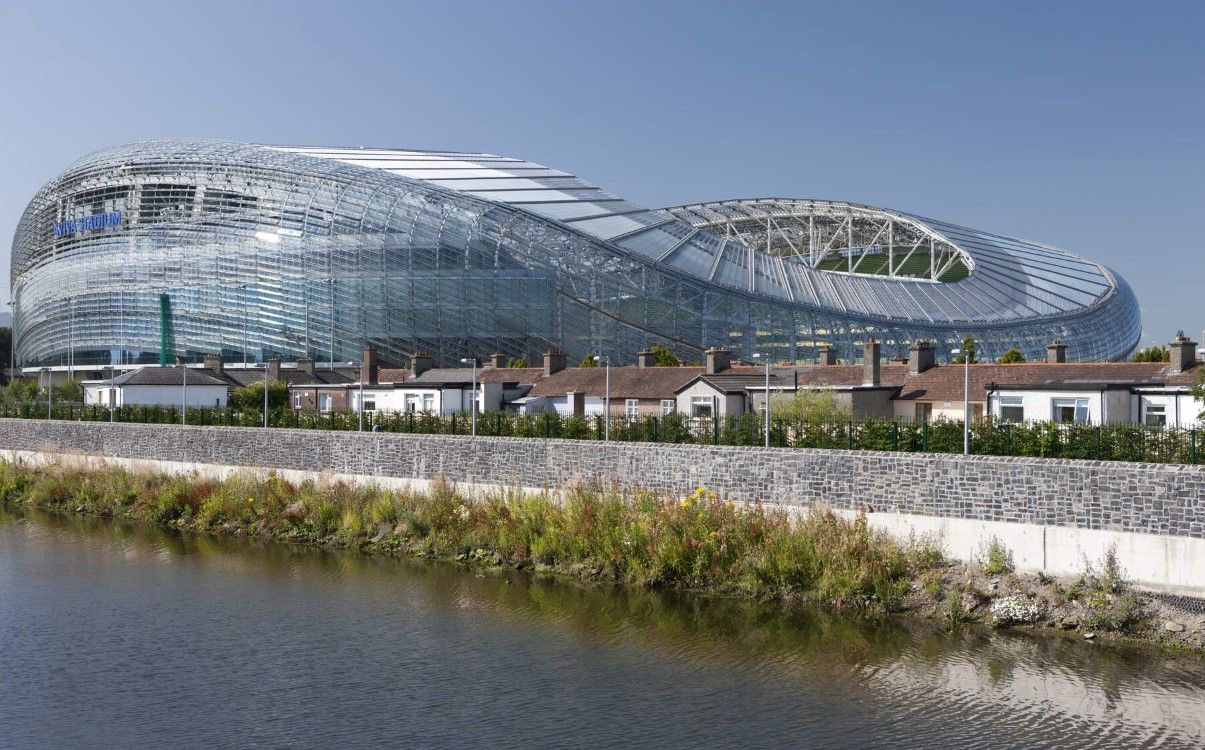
(606, 398)
(473, 361)
(966, 400)
(766, 403)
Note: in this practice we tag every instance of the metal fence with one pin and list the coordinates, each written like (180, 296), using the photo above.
(1114, 442)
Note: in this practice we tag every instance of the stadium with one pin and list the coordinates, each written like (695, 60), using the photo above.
(164, 250)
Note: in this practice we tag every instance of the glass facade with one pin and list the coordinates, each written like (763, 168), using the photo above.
(258, 251)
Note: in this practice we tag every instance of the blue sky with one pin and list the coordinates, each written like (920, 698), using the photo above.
(1076, 124)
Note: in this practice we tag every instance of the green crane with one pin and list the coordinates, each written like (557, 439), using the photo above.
(167, 334)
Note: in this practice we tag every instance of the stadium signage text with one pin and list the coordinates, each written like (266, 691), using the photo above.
(87, 224)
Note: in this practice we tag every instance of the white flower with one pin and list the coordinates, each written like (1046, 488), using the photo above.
(1009, 610)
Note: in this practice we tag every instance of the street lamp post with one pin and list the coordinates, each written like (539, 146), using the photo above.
(473, 362)
(606, 398)
(766, 402)
(49, 392)
(360, 409)
(265, 394)
(183, 393)
(966, 400)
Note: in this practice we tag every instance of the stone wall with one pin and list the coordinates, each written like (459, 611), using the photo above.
(1106, 496)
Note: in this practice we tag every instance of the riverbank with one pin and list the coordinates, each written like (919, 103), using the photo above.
(699, 543)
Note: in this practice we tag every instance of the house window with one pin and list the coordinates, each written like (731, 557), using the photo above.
(1069, 410)
(296, 400)
(411, 402)
(631, 407)
(324, 402)
(428, 402)
(1156, 415)
(668, 406)
(924, 411)
(701, 406)
(370, 404)
(1011, 409)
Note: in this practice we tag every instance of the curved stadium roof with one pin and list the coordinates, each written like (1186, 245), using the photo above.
(789, 274)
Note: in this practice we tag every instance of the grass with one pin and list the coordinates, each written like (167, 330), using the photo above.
(995, 558)
(643, 540)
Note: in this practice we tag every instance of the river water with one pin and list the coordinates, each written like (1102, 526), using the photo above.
(112, 637)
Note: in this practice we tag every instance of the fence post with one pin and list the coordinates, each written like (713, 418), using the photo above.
(895, 435)
(849, 434)
(1192, 446)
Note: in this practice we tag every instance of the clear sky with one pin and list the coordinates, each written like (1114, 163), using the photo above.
(1075, 124)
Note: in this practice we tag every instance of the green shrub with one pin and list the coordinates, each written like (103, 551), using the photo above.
(995, 558)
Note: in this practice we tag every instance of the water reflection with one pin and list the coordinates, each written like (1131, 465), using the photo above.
(144, 632)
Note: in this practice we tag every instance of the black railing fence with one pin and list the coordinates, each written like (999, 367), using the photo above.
(1113, 442)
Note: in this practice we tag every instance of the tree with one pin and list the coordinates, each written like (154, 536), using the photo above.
(1012, 357)
(968, 352)
(71, 390)
(1153, 354)
(251, 397)
(588, 361)
(662, 356)
(22, 389)
(808, 405)
(517, 362)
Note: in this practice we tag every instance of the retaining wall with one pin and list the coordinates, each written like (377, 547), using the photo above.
(1051, 512)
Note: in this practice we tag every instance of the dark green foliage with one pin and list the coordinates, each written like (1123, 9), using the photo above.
(662, 356)
(71, 390)
(588, 361)
(1153, 354)
(1012, 357)
(517, 362)
(968, 350)
(251, 397)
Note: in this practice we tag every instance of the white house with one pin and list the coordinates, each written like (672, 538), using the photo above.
(157, 386)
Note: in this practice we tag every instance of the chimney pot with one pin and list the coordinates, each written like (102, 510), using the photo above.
(369, 367)
(921, 357)
(306, 364)
(871, 372)
(828, 355)
(420, 362)
(555, 361)
(1183, 353)
(716, 360)
(274, 370)
(497, 360)
(213, 363)
(1056, 351)
(645, 359)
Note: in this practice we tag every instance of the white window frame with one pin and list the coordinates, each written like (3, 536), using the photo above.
(631, 407)
(1154, 410)
(707, 402)
(326, 401)
(1010, 403)
(668, 406)
(1080, 405)
(428, 402)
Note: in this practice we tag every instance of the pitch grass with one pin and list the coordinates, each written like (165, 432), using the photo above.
(639, 539)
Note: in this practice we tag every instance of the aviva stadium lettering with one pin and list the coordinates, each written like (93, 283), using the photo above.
(87, 224)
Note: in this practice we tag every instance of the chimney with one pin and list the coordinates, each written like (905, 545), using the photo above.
(577, 402)
(1056, 351)
(213, 363)
(497, 360)
(554, 361)
(645, 359)
(921, 356)
(716, 360)
(420, 362)
(828, 355)
(870, 364)
(368, 366)
(274, 370)
(305, 364)
(1184, 353)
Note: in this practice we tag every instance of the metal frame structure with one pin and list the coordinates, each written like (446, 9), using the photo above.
(303, 251)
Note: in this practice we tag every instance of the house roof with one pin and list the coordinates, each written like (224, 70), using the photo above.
(945, 382)
(165, 376)
(288, 376)
(464, 375)
(626, 382)
(847, 376)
